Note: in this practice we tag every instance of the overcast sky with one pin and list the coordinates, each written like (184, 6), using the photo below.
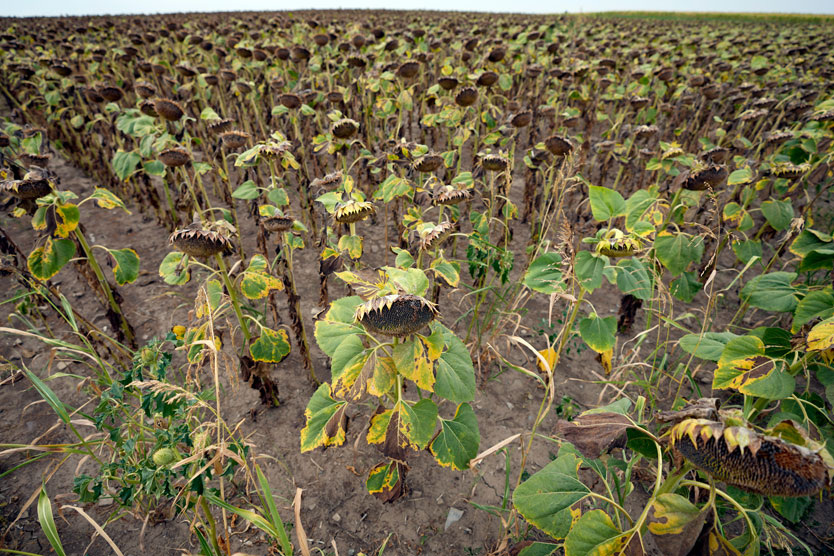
(84, 7)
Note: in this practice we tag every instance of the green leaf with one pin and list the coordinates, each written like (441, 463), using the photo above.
(418, 421)
(740, 177)
(677, 251)
(633, 279)
(743, 366)
(594, 534)
(347, 363)
(810, 240)
(325, 421)
(172, 269)
(792, 509)
(125, 163)
(455, 374)
(45, 262)
(636, 207)
(505, 82)
(606, 203)
(352, 244)
(545, 274)
(685, 287)
(271, 347)
(337, 324)
(449, 272)
(671, 514)
(458, 440)
(383, 478)
(710, 346)
(49, 396)
(154, 168)
(589, 268)
(771, 292)
(107, 199)
(599, 333)
(257, 282)
(404, 258)
(247, 191)
(817, 304)
(539, 549)
(393, 187)
(47, 522)
(126, 270)
(745, 250)
(544, 499)
(779, 214)
(412, 363)
(67, 217)
(411, 280)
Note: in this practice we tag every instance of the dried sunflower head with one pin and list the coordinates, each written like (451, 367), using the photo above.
(169, 109)
(278, 223)
(435, 236)
(30, 160)
(174, 157)
(32, 186)
(428, 163)
(329, 179)
(147, 108)
(353, 211)
(345, 128)
(194, 241)
(220, 126)
(450, 195)
(467, 96)
(522, 119)
(788, 170)
(234, 139)
(704, 178)
(447, 82)
(396, 315)
(745, 458)
(716, 155)
(558, 146)
(494, 162)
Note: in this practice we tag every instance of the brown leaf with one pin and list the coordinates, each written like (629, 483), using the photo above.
(595, 434)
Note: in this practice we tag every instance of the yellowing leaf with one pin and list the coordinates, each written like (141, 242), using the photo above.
(821, 336)
(551, 356)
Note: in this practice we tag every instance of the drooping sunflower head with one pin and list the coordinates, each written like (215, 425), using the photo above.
(194, 241)
(169, 109)
(345, 128)
(747, 459)
(396, 315)
(450, 195)
(174, 157)
(494, 162)
(353, 211)
(705, 178)
(428, 163)
(435, 236)
(558, 146)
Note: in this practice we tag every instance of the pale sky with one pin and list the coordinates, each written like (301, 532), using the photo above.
(97, 7)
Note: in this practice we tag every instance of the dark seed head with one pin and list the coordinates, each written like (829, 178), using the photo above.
(353, 211)
(169, 109)
(396, 315)
(428, 163)
(174, 157)
(708, 177)
(345, 128)
(196, 242)
(466, 96)
(558, 146)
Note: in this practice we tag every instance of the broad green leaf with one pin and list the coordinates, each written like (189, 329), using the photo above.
(745, 250)
(107, 199)
(448, 271)
(125, 163)
(325, 421)
(418, 421)
(709, 346)
(256, 281)
(810, 240)
(792, 509)
(384, 479)
(412, 363)
(347, 363)
(779, 214)
(246, 191)
(636, 207)
(505, 82)
(545, 274)
(685, 287)
(271, 347)
(126, 269)
(45, 261)
(393, 187)
(455, 373)
(671, 514)
(633, 279)
(741, 176)
(337, 323)
(676, 251)
(594, 534)
(539, 549)
(173, 270)
(589, 268)
(821, 336)
(544, 499)
(66, 219)
(458, 440)
(352, 244)
(771, 292)
(743, 366)
(606, 203)
(598, 332)
(411, 280)
(817, 304)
